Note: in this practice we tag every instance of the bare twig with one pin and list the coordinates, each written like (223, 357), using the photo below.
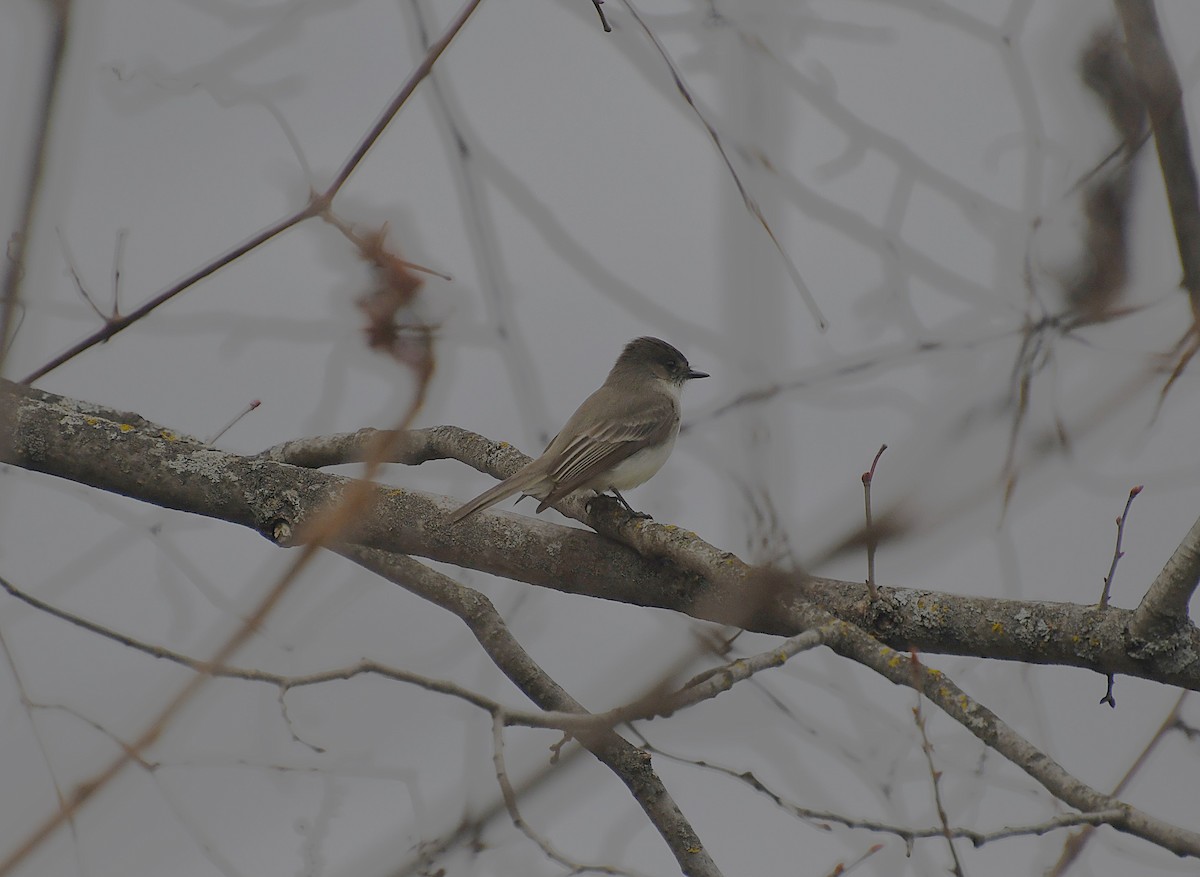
(318, 205)
(18, 244)
(254, 403)
(286, 684)
(871, 537)
(28, 705)
(113, 326)
(323, 527)
(841, 869)
(905, 833)
(1162, 94)
(69, 258)
(493, 635)
(86, 790)
(514, 812)
(118, 260)
(1076, 842)
(850, 642)
(935, 775)
(1117, 552)
(471, 827)
(704, 686)
(751, 204)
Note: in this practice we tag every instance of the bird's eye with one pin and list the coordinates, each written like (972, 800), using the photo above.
(672, 364)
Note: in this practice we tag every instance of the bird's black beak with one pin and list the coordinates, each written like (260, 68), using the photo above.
(693, 374)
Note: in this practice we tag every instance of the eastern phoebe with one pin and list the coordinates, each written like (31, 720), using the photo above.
(617, 439)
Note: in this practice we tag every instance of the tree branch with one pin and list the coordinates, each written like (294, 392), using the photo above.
(624, 759)
(1160, 90)
(124, 453)
(1163, 612)
(318, 205)
(850, 642)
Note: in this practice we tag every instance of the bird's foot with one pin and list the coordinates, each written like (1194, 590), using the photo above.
(633, 513)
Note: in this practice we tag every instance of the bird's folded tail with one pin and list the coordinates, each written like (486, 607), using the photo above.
(519, 482)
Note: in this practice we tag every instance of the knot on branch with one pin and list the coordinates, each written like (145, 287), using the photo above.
(1168, 644)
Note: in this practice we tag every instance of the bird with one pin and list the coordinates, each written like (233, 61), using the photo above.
(617, 439)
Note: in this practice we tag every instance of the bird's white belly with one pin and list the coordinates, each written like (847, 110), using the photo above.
(635, 469)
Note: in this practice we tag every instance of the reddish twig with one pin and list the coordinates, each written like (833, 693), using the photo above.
(318, 205)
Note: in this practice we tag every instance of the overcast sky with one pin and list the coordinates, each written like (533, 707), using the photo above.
(916, 163)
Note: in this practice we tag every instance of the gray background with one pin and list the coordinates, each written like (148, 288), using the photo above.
(912, 148)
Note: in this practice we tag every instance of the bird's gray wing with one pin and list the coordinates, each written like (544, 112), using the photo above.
(590, 446)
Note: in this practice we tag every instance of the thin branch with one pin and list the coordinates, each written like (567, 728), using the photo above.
(446, 593)
(18, 244)
(250, 406)
(1163, 612)
(493, 635)
(850, 642)
(428, 850)
(1075, 844)
(514, 812)
(872, 537)
(905, 833)
(86, 790)
(402, 96)
(69, 258)
(472, 826)
(751, 204)
(282, 682)
(1160, 90)
(935, 776)
(1117, 552)
(323, 526)
(113, 326)
(704, 686)
(318, 205)
(28, 705)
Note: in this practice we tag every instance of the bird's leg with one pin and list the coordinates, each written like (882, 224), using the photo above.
(632, 511)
